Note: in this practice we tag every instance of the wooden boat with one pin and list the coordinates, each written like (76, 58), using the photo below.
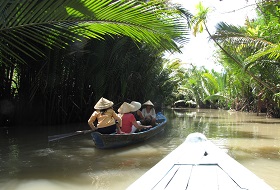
(199, 164)
(104, 141)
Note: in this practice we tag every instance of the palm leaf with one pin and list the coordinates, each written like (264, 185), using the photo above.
(56, 23)
(216, 96)
(272, 52)
(238, 37)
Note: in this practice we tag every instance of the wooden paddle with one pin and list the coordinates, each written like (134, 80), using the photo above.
(66, 135)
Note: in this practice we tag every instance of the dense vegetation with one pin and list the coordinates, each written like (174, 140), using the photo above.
(57, 58)
(250, 57)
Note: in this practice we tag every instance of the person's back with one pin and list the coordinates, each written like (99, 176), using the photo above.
(105, 116)
(127, 122)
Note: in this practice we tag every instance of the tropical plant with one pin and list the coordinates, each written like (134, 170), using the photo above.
(51, 23)
(176, 75)
(51, 51)
(254, 48)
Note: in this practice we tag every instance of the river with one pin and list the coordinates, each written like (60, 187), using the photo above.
(29, 162)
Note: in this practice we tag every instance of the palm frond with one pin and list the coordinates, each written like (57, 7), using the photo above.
(56, 23)
(211, 81)
(238, 37)
(216, 96)
(272, 52)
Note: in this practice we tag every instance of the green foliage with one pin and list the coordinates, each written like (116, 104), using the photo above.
(63, 55)
(252, 54)
(199, 20)
(26, 24)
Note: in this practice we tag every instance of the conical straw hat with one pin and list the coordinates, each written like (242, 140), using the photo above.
(126, 108)
(148, 103)
(103, 103)
(137, 105)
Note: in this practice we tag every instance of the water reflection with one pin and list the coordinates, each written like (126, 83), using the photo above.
(29, 162)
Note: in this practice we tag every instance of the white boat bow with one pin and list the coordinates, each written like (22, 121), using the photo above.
(198, 164)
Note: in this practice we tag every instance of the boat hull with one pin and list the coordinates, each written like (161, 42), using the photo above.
(106, 141)
(199, 164)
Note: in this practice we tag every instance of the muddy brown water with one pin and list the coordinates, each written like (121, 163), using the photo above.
(29, 162)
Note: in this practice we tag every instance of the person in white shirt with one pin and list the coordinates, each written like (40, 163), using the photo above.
(149, 113)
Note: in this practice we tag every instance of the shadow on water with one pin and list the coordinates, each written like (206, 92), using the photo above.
(27, 158)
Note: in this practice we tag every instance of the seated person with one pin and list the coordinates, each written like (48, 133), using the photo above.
(136, 112)
(106, 117)
(128, 119)
(149, 113)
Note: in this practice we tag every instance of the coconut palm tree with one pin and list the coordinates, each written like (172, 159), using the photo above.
(256, 49)
(240, 45)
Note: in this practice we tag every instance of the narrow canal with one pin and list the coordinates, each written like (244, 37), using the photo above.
(29, 162)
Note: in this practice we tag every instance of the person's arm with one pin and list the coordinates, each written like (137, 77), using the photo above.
(119, 124)
(116, 117)
(140, 126)
(91, 120)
